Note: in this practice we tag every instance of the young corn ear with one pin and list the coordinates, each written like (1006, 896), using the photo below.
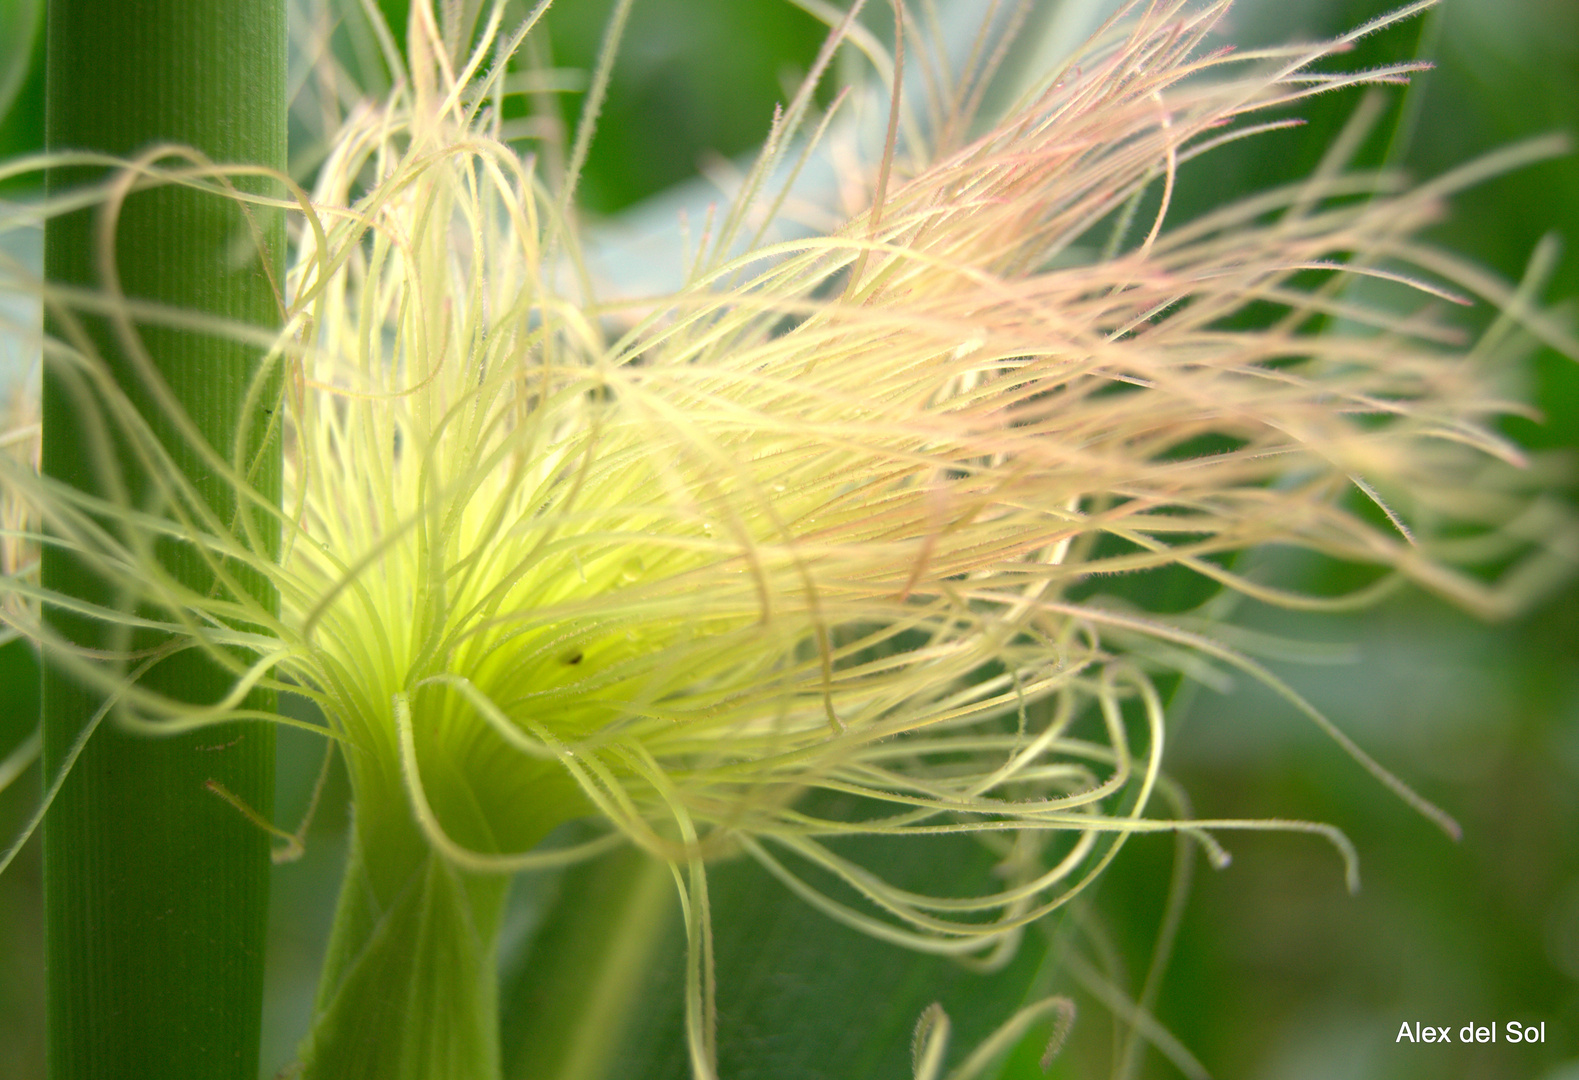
(828, 518)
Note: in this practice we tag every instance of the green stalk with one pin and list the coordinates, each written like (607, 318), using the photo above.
(410, 985)
(409, 989)
(156, 890)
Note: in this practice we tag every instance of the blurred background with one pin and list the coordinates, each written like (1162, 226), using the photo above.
(1277, 973)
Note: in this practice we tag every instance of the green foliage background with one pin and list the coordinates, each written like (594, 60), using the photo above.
(1278, 973)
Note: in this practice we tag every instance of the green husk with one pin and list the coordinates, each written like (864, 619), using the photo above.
(409, 989)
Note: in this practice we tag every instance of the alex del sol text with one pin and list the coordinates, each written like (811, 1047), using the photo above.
(1512, 1032)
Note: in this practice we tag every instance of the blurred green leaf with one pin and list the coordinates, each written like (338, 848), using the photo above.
(18, 694)
(694, 78)
(21, 26)
(21, 81)
(799, 995)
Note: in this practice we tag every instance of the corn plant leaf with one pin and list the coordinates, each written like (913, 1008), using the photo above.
(799, 996)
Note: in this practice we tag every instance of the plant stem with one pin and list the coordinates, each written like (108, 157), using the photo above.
(409, 989)
(156, 890)
(410, 986)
